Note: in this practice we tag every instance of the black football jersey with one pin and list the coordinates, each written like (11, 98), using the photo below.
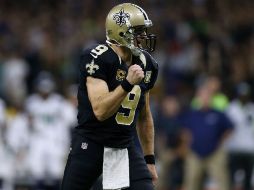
(100, 61)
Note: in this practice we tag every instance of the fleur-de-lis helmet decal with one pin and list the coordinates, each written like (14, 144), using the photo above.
(121, 17)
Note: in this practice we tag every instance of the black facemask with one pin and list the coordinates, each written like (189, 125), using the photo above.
(144, 40)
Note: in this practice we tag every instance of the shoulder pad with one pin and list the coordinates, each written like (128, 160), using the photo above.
(151, 72)
(150, 60)
(102, 52)
(97, 61)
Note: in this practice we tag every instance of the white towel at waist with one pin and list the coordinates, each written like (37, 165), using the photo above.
(115, 169)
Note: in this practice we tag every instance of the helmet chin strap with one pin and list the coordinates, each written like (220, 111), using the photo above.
(135, 51)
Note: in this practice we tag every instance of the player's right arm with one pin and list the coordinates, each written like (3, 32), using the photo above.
(106, 103)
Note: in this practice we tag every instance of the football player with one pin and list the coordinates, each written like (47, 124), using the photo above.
(49, 138)
(113, 97)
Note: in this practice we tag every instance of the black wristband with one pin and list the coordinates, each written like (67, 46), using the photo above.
(150, 159)
(126, 85)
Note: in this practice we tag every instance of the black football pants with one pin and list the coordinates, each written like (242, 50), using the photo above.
(84, 166)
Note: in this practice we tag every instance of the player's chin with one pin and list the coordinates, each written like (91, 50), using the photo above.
(138, 43)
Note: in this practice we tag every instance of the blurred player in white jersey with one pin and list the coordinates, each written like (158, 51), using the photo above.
(17, 135)
(50, 132)
(6, 159)
(241, 143)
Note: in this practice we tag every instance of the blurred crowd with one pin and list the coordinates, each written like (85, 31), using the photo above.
(203, 102)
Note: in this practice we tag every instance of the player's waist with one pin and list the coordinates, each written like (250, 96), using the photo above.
(105, 136)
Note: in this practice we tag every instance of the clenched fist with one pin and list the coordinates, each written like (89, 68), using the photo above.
(135, 74)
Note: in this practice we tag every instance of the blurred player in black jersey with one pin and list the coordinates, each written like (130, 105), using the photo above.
(113, 97)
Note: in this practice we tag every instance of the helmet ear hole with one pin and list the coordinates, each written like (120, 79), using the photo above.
(121, 34)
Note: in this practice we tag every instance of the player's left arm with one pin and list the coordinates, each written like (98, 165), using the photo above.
(145, 130)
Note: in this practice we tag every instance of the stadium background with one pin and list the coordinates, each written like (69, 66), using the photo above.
(200, 42)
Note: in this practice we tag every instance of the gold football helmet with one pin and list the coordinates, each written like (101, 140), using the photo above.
(126, 25)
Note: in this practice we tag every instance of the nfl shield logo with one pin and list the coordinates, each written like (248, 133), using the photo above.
(84, 145)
